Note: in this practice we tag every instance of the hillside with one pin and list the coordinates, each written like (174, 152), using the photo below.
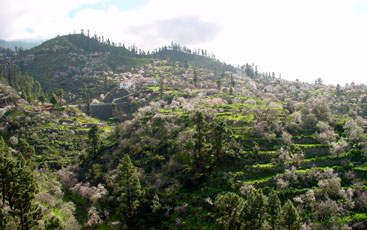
(76, 62)
(195, 149)
(189, 143)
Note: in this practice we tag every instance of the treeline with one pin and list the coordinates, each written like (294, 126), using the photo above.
(255, 211)
(183, 49)
(197, 58)
(174, 52)
(98, 43)
(30, 89)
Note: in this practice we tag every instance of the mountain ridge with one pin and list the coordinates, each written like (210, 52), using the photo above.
(69, 61)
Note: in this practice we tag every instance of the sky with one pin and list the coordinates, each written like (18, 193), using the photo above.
(301, 39)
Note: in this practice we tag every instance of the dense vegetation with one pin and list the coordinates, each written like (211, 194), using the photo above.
(203, 146)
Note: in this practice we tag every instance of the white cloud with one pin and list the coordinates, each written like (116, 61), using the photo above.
(18, 15)
(301, 39)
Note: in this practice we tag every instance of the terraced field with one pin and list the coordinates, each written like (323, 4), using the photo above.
(58, 135)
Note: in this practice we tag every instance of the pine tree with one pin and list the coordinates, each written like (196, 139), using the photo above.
(53, 99)
(254, 212)
(199, 138)
(220, 140)
(229, 207)
(42, 98)
(128, 190)
(291, 219)
(21, 196)
(94, 140)
(7, 167)
(274, 211)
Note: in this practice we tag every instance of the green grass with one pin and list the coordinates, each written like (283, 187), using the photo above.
(312, 145)
(269, 165)
(319, 159)
(154, 88)
(47, 125)
(361, 168)
(258, 181)
(87, 120)
(354, 218)
(171, 111)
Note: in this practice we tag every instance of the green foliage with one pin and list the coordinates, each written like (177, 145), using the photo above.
(18, 191)
(54, 223)
(254, 211)
(53, 99)
(274, 211)
(4, 149)
(221, 141)
(42, 98)
(23, 83)
(156, 205)
(25, 148)
(128, 191)
(94, 140)
(229, 207)
(291, 219)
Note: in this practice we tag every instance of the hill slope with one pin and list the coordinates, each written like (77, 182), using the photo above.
(76, 62)
(193, 149)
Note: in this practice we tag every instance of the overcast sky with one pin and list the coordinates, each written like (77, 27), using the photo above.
(302, 39)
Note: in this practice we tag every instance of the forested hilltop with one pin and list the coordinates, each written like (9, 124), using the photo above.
(79, 61)
(188, 142)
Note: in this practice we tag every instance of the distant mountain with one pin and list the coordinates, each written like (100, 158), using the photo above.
(19, 44)
(76, 62)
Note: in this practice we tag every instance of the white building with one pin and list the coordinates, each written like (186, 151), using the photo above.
(125, 84)
(269, 89)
